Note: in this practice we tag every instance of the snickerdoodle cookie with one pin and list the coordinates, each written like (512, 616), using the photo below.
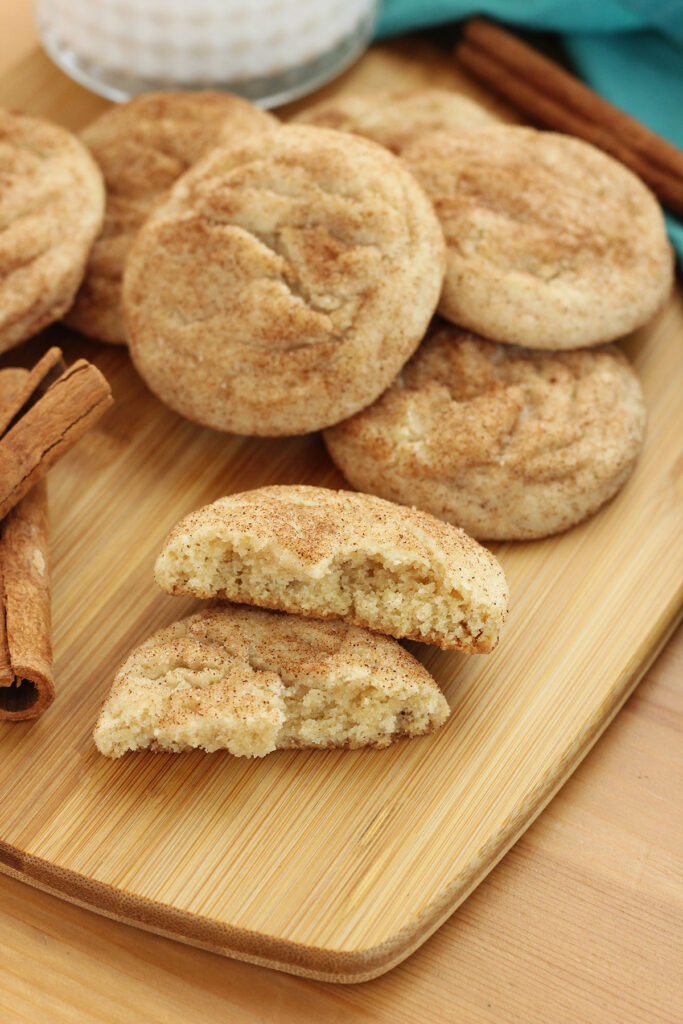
(283, 283)
(253, 681)
(551, 243)
(336, 554)
(143, 147)
(508, 443)
(51, 208)
(395, 118)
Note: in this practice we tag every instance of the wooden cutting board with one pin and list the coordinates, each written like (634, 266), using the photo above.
(334, 865)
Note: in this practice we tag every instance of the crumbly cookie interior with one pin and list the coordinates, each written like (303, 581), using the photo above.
(352, 712)
(189, 694)
(403, 599)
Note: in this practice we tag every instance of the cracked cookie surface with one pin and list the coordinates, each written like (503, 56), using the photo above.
(336, 554)
(142, 148)
(283, 283)
(396, 118)
(551, 243)
(252, 681)
(51, 208)
(508, 443)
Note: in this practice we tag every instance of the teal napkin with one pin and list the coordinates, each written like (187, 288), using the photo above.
(630, 51)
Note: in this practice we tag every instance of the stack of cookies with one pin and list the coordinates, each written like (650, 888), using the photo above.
(518, 421)
(286, 283)
(277, 280)
(350, 572)
(434, 290)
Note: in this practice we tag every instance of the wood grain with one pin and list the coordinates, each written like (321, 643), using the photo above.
(333, 864)
(580, 922)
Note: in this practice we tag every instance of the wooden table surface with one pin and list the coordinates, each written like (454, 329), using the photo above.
(581, 922)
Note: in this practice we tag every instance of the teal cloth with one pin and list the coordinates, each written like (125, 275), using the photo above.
(630, 51)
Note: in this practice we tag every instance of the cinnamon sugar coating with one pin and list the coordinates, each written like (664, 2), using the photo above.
(283, 283)
(551, 243)
(51, 209)
(509, 443)
(336, 554)
(252, 681)
(142, 147)
(396, 118)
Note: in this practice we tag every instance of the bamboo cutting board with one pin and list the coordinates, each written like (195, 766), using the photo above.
(334, 865)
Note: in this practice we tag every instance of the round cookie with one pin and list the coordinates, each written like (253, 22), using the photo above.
(551, 243)
(51, 209)
(396, 118)
(252, 681)
(336, 554)
(509, 443)
(283, 283)
(143, 147)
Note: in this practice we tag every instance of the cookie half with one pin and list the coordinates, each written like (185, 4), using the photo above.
(252, 681)
(396, 118)
(283, 283)
(509, 443)
(551, 243)
(335, 554)
(142, 147)
(51, 209)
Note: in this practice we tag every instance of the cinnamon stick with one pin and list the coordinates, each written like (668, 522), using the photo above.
(42, 415)
(11, 382)
(7, 676)
(26, 683)
(26, 680)
(554, 97)
(30, 386)
(49, 428)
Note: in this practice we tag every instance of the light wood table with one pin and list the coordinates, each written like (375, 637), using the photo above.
(580, 922)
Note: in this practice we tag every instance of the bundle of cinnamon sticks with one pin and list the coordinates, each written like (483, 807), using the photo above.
(552, 96)
(43, 413)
